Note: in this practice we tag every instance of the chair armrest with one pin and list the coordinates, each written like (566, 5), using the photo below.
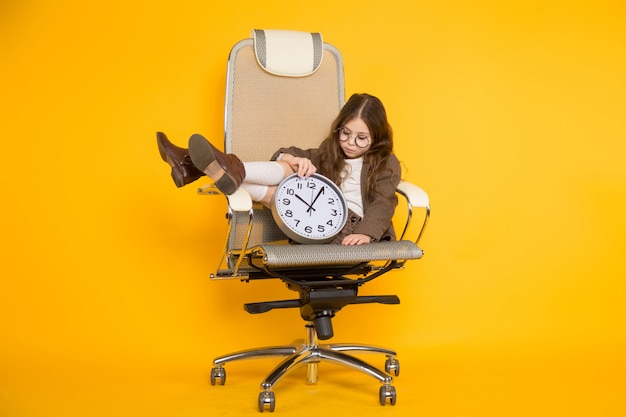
(240, 200)
(415, 198)
(414, 194)
(239, 206)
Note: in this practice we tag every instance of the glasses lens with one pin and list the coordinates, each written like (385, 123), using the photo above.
(360, 140)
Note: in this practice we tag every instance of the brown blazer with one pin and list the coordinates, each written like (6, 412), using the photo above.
(378, 209)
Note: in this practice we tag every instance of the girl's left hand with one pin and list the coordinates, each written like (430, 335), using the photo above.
(356, 239)
(300, 165)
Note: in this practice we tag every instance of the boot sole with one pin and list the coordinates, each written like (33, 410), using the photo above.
(202, 155)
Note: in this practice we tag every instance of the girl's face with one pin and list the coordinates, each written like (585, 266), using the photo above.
(354, 138)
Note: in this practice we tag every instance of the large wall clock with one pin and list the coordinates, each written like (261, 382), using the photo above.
(309, 210)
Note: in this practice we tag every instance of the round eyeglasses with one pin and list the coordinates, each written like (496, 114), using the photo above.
(361, 140)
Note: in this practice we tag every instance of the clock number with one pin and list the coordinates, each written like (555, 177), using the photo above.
(286, 201)
(311, 185)
(320, 228)
(288, 213)
(308, 229)
(330, 223)
(290, 191)
(331, 200)
(333, 212)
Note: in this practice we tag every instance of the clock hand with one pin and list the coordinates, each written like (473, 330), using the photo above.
(308, 205)
(315, 199)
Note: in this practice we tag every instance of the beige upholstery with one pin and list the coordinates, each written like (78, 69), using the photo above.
(261, 118)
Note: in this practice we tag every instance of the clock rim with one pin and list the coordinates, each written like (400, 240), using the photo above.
(296, 236)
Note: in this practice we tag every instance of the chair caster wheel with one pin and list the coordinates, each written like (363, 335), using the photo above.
(387, 392)
(267, 398)
(392, 366)
(218, 373)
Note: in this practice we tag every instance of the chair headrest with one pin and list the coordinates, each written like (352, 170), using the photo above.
(288, 53)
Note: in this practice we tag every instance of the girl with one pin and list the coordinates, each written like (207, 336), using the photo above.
(356, 155)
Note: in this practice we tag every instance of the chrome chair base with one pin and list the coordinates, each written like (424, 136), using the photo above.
(311, 354)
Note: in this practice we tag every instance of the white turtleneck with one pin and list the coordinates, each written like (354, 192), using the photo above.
(351, 185)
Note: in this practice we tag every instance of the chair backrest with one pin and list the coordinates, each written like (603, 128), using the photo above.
(265, 111)
(270, 105)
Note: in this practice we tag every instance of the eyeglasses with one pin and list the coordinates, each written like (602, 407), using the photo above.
(360, 140)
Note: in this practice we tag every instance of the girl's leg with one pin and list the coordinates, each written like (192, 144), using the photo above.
(226, 170)
(259, 192)
(266, 172)
(263, 177)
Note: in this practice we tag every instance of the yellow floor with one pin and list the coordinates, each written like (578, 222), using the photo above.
(431, 383)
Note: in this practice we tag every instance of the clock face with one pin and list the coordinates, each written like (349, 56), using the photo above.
(309, 210)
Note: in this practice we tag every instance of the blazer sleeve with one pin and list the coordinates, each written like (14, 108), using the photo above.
(378, 209)
(312, 154)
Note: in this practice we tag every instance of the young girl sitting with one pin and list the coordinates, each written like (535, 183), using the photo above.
(356, 155)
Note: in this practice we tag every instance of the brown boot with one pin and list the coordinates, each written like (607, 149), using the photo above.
(183, 170)
(226, 170)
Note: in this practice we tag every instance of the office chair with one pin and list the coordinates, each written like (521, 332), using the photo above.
(285, 88)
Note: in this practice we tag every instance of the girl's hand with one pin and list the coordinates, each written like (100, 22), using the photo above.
(356, 239)
(301, 166)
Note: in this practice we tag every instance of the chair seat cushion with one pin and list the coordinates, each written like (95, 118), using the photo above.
(288, 256)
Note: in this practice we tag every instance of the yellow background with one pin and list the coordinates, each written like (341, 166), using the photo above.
(510, 114)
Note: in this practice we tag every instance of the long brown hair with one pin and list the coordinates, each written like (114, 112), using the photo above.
(371, 110)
